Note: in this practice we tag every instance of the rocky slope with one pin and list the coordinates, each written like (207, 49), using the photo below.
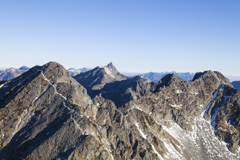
(236, 84)
(113, 85)
(46, 114)
(122, 92)
(11, 73)
(96, 78)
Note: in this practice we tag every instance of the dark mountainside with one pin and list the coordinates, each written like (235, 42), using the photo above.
(111, 84)
(11, 73)
(155, 76)
(236, 84)
(96, 78)
(46, 114)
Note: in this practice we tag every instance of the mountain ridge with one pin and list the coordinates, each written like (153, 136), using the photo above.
(47, 114)
(11, 73)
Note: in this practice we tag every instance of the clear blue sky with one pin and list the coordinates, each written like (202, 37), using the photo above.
(136, 35)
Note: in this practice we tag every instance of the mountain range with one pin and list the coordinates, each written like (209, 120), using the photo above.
(156, 76)
(101, 114)
(111, 84)
(11, 73)
(74, 72)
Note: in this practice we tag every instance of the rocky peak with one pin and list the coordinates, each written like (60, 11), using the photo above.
(111, 66)
(96, 78)
(167, 80)
(24, 68)
(212, 75)
(111, 70)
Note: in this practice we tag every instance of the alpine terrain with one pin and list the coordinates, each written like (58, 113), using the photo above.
(101, 114)
(11, 73)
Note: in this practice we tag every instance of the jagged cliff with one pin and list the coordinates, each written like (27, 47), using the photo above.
(46, 114)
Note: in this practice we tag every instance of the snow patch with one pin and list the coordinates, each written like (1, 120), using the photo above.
(140, 131)
(179, 91)
(109, 72)
(202, 136)
(159, 155)
(177, 106)
(214, 97)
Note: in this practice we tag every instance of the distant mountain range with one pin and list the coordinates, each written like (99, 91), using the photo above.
(156, 76)
(74, 72)
(11, 73)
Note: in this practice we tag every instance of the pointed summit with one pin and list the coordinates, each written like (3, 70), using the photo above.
(111, 67)
(96, 78)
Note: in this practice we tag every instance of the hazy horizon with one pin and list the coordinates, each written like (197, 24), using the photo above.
(137, 36)
(134, 73)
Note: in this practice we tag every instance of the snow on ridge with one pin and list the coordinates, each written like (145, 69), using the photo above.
(214, 97)
(177, 106)
(54, 86)
(192, 142)
(140, 131)
(109, 72)
(145, 137)
(78, 126)
(159, 155)
(179, 91)
(213, 118)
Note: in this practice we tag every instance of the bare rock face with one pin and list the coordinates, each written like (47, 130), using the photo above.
(112, 85)
(122, 92)
(38, 113)
(96, 78)
(46, 114)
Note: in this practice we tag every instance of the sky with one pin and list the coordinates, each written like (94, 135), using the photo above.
(135, 35)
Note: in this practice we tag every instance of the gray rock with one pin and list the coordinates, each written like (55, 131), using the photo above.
(46, 114)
